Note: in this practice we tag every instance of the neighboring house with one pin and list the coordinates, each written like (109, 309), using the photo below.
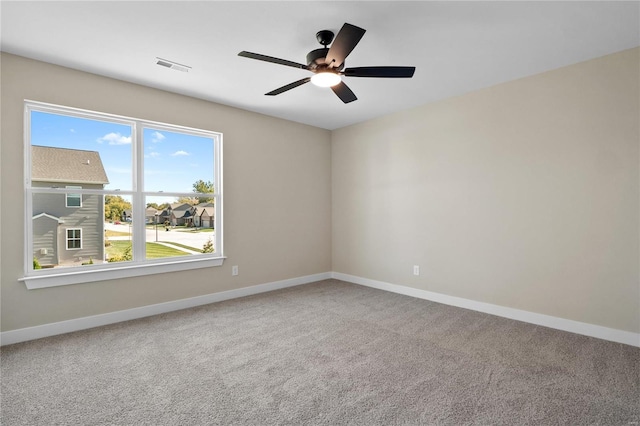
(126, 216)
(184, 214)
(181, 214)
(67, 228)
(150, 215)
(204, 215)
(164, 216)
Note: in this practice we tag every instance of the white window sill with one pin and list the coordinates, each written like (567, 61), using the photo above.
(41, 279)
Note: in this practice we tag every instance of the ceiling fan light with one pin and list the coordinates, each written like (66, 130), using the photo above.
(326, 79)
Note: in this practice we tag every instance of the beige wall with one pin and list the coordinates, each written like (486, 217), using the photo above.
(277, 206)
(524, 195)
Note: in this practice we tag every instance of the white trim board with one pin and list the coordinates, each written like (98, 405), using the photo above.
(591, 330)
(46, 330)
(68, 326)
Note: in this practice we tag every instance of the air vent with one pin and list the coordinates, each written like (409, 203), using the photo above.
(172, 65)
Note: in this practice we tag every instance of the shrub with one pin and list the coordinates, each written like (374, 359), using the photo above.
(126, 255)
(208, 246)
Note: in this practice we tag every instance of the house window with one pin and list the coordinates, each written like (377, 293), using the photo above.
(133, 190)
(74, 239)
(73, 200)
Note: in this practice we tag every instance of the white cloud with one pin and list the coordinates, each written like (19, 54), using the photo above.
(154, 154)
(72, 130)
(177, 153)
(115, 139)
(157, 137)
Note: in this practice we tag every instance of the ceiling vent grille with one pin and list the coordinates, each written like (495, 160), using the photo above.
(172, 65)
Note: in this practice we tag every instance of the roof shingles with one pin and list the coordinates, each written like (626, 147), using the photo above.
(50, 164)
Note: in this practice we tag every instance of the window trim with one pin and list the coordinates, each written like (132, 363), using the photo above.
(67, 239)
(67, 195)
(141, 266)
(79, 275)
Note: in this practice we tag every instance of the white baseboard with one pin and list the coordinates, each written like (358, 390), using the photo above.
(52, 329)
(577, 327)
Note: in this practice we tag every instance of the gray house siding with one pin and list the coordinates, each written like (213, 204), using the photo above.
(89, 218)
(45, 246)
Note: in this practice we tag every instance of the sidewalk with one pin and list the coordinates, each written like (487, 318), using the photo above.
(176, 247)
(166, 244)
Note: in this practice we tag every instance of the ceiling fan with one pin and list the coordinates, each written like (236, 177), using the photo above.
(327, 64)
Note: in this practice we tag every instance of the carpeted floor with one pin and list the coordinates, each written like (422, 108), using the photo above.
(327, 353)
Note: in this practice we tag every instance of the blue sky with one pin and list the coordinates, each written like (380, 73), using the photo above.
(172, 161)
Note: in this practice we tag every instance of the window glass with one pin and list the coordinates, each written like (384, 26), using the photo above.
(101, 193)
(179, 227)
(175, 161)
(74, 239)
(76, 149)
(118, 228)
(64, 237)
(74, 200)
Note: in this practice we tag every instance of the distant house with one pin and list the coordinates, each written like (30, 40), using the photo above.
(164, 216)
(204, 215)
(150, 215)
(184, 214)
(126, 216)
(180, 214)
(67, 228)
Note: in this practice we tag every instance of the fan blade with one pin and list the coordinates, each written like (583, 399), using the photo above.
(288, 87)
(380, 72)
(272, 60)
(344, 93)
(347, 38)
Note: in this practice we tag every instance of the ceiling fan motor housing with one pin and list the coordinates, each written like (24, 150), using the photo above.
(316, 60)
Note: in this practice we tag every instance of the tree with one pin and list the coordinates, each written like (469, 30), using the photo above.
(203, 187)
(187, 200)
(158, 206)
(114, 206)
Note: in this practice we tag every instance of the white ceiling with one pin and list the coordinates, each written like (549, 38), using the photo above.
(456, 47)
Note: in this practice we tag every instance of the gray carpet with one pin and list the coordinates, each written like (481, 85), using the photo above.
(326, 353)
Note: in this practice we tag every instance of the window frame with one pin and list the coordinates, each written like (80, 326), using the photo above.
(67, 195)
(140, 265)
(67, 239)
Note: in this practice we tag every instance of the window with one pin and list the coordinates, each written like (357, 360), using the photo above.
(134, 192)
(73, 200)
(74, 239)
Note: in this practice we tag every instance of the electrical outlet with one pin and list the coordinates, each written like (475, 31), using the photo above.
(234, 270)
(416, 270)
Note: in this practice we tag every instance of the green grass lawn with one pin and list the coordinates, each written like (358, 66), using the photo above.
(154, 251)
